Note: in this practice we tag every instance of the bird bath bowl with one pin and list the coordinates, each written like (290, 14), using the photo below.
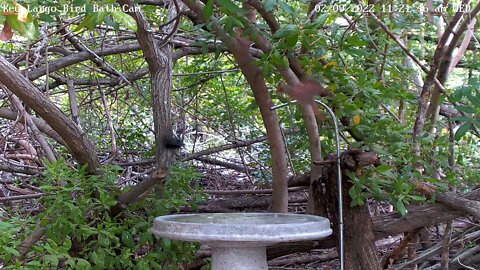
(239, 240)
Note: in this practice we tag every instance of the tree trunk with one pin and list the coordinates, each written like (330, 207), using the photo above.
(360, 249)
(359, 241)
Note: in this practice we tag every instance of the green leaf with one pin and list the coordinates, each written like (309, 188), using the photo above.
(52, 260)
(267, 69)
(384, 168)
(474, 100)
(278, 60)
(30, 30)
(103, 240)
(145, 237)
(465, 109)
(46, 17)
(320, 20)
(353, 192)
(142, 265)
(126, 20)
(287, 8)
(269, 5)
(462, 130)
(400, 206)
(111, 23)
(208, 10)
(355, 41)
(167, 243)
(83, 264)
(26, 29)
(417, 198)
(35, 264)
(230, 23)
(230, 7)
(461, 118)
(292, 40)
(252, 106)
(288, 30)
(127, 239)
(87, 22)
(11, 251)
(96, 19)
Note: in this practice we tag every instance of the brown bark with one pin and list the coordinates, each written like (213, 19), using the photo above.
(445, 254)
(31, 240)
(15, 169)
(79, 145)
(359, 240)
(72, 99)
(412, 251)
(398, 252)
(451, 199)
(360, 249)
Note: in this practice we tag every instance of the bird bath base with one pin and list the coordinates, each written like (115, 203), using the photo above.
(239, 240)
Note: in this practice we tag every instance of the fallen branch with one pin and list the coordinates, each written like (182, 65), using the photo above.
(21, 197)
(451, 199)
(248, 191)
(225, 147)
(399, 250)
(224, 164)
(305, 259)
(231, 204)
(15, 169)
(436, 249)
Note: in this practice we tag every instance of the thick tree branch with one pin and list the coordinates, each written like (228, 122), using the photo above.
(79, 57)
(80, 146)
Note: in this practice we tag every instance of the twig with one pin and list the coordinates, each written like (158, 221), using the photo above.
(21, 197)
(109, 121)
(73, 103)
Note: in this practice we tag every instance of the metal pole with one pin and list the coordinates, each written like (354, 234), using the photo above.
(339, 176)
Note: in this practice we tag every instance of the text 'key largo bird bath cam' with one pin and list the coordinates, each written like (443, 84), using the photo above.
(239, 240)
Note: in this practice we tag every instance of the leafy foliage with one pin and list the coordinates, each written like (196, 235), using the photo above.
(81, 233)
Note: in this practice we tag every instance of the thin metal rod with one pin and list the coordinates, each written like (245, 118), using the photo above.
(339, 184)
(339, 177)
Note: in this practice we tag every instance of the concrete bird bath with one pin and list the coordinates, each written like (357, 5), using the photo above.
(239, 240)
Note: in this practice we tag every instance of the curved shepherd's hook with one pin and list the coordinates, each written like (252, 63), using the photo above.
(339, 175)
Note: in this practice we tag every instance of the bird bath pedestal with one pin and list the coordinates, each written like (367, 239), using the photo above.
(239, 240)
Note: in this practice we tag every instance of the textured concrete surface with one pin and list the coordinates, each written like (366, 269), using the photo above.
(239, 240)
